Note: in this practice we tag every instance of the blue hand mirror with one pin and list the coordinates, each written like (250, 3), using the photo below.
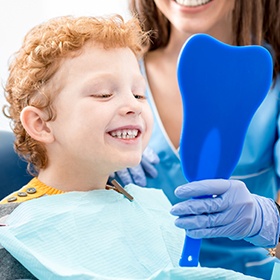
(221, 86)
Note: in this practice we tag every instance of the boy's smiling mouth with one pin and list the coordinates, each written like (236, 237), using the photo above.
(125, 133)
(192, 3)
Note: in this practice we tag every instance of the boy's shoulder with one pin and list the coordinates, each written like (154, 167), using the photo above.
(6, 209)
(10, 268)
(21, 195)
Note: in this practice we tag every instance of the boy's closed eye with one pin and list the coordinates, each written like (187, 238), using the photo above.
(108, 95)
(101, 95)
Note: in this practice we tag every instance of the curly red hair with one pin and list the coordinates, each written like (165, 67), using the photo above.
(39, 58)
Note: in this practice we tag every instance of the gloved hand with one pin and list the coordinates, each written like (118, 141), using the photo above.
(230, 211)
(137, 174)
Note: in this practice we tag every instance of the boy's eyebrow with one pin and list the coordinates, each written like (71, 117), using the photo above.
(99, 75)
(103, 76)
(92, 81)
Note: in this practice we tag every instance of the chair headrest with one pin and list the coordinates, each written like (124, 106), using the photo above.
(13, 170)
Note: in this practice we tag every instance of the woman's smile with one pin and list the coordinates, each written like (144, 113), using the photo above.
(192, 3)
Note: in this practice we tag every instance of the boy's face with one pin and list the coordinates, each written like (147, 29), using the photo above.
(103, 118)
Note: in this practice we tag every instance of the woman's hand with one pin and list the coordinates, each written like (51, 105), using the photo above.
(230, 211)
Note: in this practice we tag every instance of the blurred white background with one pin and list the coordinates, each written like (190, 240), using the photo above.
(17, 17)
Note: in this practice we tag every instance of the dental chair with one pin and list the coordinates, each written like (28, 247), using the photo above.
(13, 170)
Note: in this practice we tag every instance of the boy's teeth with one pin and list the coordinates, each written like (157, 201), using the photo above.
(125, 133)
(192, 3)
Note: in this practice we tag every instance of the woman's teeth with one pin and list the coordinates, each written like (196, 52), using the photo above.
(125, 133)
(192, 3)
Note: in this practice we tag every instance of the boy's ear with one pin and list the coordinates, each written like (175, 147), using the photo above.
(35, 125)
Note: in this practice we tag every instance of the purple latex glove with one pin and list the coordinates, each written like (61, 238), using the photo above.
(137, 174)
(231, 211)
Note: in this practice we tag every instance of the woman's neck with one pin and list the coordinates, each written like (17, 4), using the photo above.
(178, 38)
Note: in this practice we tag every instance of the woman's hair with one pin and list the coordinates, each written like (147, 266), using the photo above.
(39, 58)
(254, 22)
(271, 30)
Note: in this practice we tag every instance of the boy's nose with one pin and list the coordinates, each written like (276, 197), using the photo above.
(131, 105)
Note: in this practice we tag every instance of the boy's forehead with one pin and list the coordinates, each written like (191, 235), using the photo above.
(94, 59)
(92, 45)
(94, 54)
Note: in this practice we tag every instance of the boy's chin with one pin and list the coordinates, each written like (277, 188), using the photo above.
(130, 165)
(129, 162)
(134, 163)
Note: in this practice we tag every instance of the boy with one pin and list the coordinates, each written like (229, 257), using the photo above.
(77, 101)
